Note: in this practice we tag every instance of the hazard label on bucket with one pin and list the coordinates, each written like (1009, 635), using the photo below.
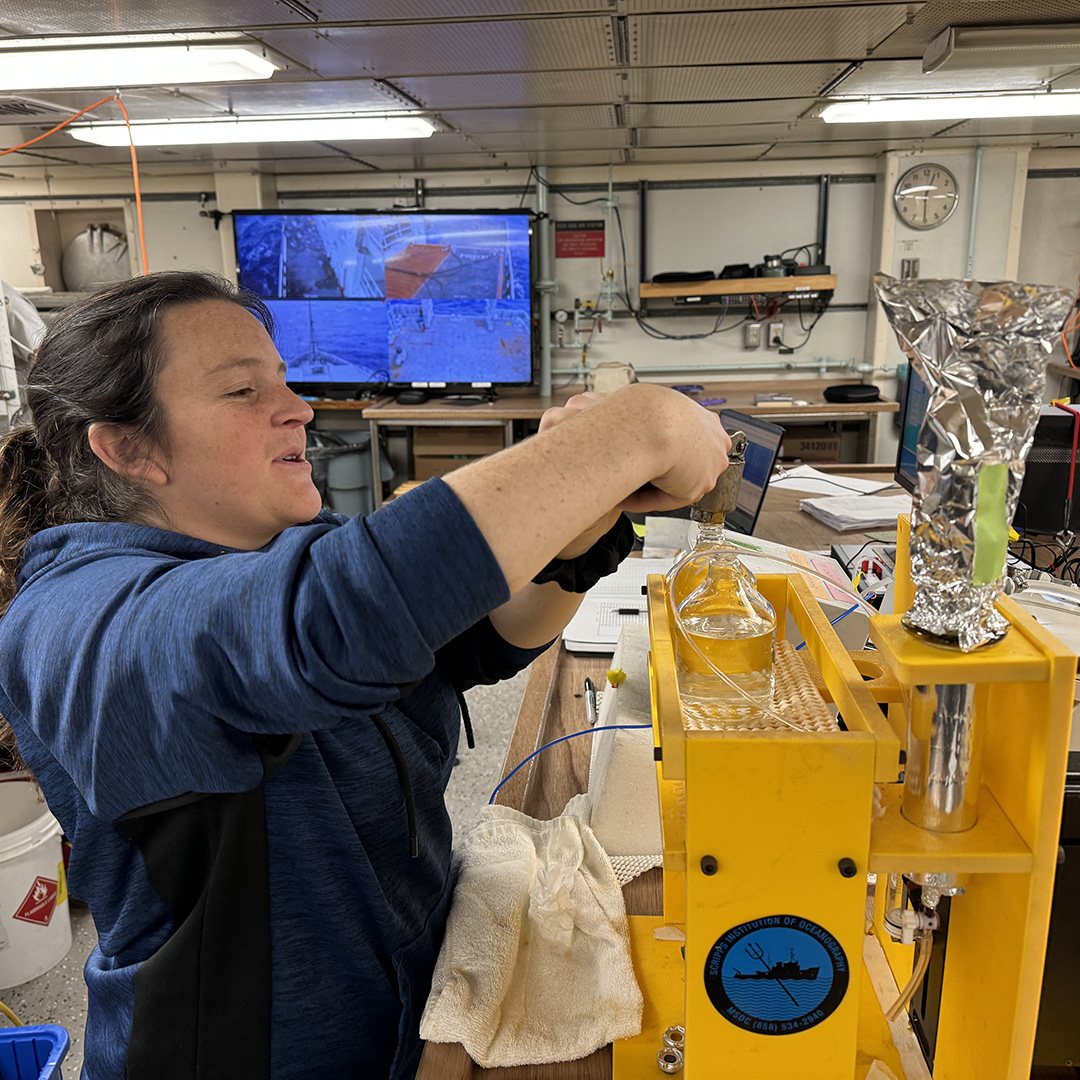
(40, 903)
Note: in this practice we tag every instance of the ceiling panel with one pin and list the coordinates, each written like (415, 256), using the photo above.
(663, 155)
(135, 16)
(796, 150)
(718, 114)
(730, 83)
(570, 118)
(1068, 82)
(814, 130)
(911, 40)
(738, 134)
(1021, 126)
(799, 34)
(364, 95)
(705, 80)
(670, 7)
(613, 138)
(447, 48)
(515, 89)
(156, 104)
(906, 77)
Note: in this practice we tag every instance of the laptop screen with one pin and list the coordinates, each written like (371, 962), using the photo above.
(761, 451)
(915, 401)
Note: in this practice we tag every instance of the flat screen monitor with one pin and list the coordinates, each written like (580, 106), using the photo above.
(916, 398)
(1046, 504)
(763, 446)
(366, 299)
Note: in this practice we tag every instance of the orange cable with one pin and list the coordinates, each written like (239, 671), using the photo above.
(134, 161)
(138, 191)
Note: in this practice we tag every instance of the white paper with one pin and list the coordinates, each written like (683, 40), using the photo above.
(807, 478)
(609, 604)
(845, 513)
(665, 537)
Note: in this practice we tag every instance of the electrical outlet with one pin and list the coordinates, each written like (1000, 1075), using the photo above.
(752, 335)
(776, 334)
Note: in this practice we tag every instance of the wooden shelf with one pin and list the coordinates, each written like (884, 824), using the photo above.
(758, 286)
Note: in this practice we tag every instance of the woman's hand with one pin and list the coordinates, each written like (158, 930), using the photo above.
(643, 448)
(692, 448)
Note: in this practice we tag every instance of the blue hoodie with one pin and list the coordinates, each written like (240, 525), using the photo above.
(228, 738)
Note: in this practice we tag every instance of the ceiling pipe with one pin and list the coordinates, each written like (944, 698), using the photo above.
(970, 271)
(545, 286)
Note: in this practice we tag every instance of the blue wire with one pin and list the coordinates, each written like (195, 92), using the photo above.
(572, 735)
(833, 622)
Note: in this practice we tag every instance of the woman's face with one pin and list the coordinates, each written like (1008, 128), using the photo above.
(235, 473)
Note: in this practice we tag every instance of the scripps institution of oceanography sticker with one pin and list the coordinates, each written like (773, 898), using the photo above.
(776, 975)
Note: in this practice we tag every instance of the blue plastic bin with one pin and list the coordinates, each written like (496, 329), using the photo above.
(32, 1053)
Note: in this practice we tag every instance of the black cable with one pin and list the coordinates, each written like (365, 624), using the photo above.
(659, 335)
(555, 191)
(847, 565)
(622, 244)
(525, 189)
(788, 349)
(801, 247)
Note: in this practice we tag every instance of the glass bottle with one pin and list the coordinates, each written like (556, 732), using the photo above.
(721, 618)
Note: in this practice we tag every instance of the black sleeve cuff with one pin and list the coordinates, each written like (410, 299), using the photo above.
(581, 574)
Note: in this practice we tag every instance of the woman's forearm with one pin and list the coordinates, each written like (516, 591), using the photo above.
(535, 614)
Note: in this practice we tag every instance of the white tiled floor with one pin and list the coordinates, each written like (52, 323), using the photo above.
(59, 996)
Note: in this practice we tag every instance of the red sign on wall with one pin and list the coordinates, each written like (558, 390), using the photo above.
(579, 239)
(40, 903)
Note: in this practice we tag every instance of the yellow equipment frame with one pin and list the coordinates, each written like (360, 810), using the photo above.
(759, 824)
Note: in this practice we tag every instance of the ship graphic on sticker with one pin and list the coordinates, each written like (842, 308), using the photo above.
(776, 975)
(783, 969)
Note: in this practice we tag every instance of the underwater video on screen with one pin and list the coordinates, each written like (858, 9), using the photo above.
(363, 298)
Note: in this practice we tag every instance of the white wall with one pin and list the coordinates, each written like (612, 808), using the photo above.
(178, 239)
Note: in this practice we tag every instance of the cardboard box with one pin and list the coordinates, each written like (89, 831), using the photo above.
(424, 468)
(449, 441)
(811, 444)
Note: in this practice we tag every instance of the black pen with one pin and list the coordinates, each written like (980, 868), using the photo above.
(590, 702)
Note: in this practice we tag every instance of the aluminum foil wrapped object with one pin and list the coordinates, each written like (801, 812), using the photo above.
(981, 349)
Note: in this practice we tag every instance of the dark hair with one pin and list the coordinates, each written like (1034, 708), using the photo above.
(98, 361)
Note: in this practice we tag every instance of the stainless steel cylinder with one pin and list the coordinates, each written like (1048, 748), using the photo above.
(941, 776)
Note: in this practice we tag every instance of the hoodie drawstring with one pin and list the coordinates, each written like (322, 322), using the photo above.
(465, 718)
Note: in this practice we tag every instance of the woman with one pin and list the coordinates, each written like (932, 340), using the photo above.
(243, 711)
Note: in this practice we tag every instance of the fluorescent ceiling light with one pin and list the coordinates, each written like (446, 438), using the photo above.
(131, 65)
(953, 107)
(256, 129)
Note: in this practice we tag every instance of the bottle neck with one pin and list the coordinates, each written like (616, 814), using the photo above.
(710, 534)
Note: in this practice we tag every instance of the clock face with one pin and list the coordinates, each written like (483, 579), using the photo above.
(925, 196)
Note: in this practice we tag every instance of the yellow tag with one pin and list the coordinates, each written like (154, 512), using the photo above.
(1061, 401)
(61, 883)
(1013, 534)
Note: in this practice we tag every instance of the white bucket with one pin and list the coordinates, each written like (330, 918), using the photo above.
(35, 917)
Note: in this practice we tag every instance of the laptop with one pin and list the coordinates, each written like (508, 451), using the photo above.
(761, 453)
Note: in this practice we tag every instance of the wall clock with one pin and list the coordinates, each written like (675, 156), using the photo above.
(925, 196)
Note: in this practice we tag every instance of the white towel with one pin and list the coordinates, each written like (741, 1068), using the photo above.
(535, 966)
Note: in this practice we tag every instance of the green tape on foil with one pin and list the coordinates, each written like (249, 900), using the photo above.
(991, 528)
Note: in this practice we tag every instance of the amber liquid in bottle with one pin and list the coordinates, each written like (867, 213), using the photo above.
(725, 623)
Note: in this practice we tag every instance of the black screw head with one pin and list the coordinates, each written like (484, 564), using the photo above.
(709, 865)
(847, 867)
